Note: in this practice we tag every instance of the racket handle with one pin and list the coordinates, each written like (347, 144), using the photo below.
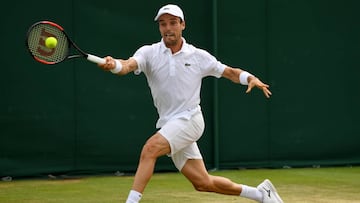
(95, 59)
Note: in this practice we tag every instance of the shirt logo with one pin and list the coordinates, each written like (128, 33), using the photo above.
(187, 64)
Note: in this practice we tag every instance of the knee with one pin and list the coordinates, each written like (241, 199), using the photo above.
(148, 151)
(203, 186)
(154, 147)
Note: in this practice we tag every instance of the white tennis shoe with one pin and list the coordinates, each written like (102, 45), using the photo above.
(269, 192)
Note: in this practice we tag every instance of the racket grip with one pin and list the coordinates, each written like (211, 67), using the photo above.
(95, 59)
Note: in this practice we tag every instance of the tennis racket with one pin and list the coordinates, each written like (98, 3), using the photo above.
(35, 42)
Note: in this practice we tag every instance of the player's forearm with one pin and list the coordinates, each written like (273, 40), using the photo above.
(238, 75)
(123, 67)
(232, 74)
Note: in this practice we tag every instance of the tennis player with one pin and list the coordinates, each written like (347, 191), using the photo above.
(174, 70)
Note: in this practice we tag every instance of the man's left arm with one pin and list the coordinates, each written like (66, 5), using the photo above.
(238, 75)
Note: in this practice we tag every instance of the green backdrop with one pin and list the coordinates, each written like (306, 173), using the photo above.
(75, 118)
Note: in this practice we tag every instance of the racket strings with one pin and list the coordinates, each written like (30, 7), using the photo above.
(36, 43)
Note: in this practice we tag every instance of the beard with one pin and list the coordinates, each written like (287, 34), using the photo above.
(170, 40)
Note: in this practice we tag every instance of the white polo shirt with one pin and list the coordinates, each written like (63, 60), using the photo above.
(175, 79)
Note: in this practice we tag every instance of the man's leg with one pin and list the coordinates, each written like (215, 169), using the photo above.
(155, 147)
(195, 171)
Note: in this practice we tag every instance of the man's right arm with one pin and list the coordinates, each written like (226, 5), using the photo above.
(119, 66)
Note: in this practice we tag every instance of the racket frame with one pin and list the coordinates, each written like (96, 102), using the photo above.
(90, 57)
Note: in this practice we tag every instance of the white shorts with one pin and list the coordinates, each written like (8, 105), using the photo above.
(182, 134)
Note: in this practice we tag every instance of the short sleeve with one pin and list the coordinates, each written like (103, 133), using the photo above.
(210, 66)
(140, 57)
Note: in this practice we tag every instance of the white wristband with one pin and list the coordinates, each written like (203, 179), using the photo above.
(243, 77)
(118, 67)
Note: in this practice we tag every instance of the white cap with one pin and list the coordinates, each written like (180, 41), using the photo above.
(170, 9)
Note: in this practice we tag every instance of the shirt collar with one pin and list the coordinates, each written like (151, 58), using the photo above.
(184, 47)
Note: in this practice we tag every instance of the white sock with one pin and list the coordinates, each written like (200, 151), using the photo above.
(134, 197)
(251, 193)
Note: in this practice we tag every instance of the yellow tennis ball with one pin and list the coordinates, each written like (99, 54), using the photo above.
(51, 42)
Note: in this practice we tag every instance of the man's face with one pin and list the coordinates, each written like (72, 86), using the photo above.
(171, 29)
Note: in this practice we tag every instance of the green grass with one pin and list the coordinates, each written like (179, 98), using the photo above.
(313, 185)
